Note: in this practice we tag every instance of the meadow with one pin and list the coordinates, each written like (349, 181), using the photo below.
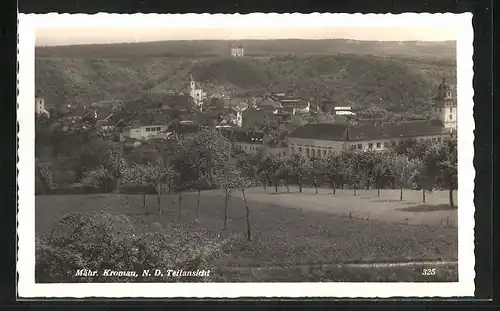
(299, 237)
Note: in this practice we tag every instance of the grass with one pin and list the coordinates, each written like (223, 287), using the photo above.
(292, 231)
(446, 272)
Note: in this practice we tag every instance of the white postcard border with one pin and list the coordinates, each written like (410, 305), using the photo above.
(27, 288)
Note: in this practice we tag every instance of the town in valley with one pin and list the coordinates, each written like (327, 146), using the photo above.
(254, 160)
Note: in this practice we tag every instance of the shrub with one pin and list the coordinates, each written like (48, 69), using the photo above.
(103, 241)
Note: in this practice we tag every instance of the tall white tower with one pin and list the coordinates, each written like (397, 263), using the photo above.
(445, 106)
(192, 85)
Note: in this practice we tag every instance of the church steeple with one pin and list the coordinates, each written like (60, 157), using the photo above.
(444, 91)
(445, 106)
(192, 84)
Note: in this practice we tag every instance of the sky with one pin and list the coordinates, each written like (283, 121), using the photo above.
(66, 29)
(87, 35)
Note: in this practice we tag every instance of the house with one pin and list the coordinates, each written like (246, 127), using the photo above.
(291, 104)
(131, 143)
(77, 115)
(40, 107)
(236, 51)
(323, 138)
(176, 102)
(103, 113)
(182, 128)
(343, 111)
(143, 133)
(110, 104)
(253, 117)
(271, 105)
(248, 141)
(105, 125)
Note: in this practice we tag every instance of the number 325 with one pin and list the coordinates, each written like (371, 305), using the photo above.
(428, 271)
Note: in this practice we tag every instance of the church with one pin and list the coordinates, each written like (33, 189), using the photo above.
(324, 138)
(445, 106)
(196, 93)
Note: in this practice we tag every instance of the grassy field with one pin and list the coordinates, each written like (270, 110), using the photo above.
(301, 237)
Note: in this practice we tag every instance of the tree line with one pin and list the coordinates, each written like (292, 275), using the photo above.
(207, 159)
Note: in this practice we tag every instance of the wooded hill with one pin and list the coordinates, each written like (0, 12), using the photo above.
(340, 70)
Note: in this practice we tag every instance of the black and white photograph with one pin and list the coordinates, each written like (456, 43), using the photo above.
(259, 155)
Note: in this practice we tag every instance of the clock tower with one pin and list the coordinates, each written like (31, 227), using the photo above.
(445, 106)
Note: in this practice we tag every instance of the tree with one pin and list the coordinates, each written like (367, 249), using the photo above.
(351, 163)
(368, 161)
(277, 170)
(283, 172)
(381, 172)
(206, 152)
(413, 148)
(148, 176)
(441, 162)
(352, 170)
(424, 179)
(319, 166)
(300, 169)
(43, 173)
(96, 178)
(183, 176)
(228, 180)
(243, 182)
(333, 170)
(266, 167)
(403, 170)
(116, 164)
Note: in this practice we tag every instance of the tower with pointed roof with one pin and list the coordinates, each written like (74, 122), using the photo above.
(196, 93)
(445, 106)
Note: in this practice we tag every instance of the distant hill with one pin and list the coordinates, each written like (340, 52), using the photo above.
(80, 74)
(213, 48)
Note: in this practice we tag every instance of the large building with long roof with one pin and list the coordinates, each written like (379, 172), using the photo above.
(321, 139)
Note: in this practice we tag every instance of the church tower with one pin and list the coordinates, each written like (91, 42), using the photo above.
(192, 85)
(445, 106)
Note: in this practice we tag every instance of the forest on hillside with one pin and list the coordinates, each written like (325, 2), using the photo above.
(357, 80)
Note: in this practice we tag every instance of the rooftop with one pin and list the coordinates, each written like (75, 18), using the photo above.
(239, 135)
(348, 132)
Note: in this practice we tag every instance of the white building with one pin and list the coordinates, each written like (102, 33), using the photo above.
(445, 106)
(144, 133)
(343, 111)
(317, 140)
(237, 51)
(196, 93)
(40, 107)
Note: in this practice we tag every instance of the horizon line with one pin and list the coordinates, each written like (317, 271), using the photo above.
(236, 40)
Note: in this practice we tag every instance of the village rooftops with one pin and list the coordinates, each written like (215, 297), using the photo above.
(284, 99)
(184, 128)
(349, 132)
(268, 103)
(242, 136)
